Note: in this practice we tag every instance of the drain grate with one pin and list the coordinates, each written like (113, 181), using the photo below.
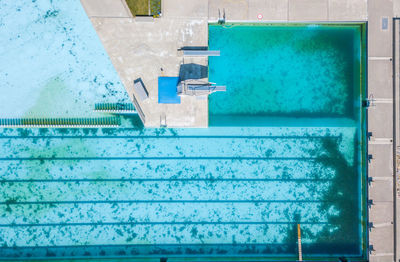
(385, 23)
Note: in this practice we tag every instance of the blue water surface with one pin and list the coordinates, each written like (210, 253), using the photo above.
(281, 70)
(52, 62)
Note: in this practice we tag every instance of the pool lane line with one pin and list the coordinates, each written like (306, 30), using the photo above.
(160, 201)
(169, 137)
(167, 180)
(165, 158)
(96, 224)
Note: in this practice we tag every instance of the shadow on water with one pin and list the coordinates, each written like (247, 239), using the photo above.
(340, 203)
(344, 195)
(192, 71)
(133, 121)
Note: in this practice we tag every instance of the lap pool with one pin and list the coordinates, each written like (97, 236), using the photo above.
(286, 146)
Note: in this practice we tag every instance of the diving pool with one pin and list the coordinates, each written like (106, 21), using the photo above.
(286, 70)
(235, 190)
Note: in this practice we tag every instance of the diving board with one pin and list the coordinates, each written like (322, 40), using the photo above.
(209, 88)
(140, 90)
(201, 53)
(194, 87)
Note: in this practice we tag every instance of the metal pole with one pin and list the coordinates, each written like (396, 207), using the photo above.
(299, 242)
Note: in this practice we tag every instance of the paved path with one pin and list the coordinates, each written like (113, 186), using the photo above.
(141, 49)
(290, 10)
(380, 122)
(106, 8)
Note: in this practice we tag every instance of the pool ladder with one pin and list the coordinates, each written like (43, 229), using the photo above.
(221, 20)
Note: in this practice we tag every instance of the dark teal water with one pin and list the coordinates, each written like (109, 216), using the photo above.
(301, 76)
(295, 71)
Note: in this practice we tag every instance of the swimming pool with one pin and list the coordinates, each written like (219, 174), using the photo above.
(217, 192)
(285, 70)
(301, 75)
(226, 192)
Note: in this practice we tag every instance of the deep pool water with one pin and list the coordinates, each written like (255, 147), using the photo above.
(285, 70)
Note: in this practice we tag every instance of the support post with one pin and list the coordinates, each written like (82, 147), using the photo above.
(299, 242)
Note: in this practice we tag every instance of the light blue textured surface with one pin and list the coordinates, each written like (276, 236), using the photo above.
(52, 62)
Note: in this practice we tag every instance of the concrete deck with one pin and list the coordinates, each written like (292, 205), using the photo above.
(384, 234)
(107, 8)
(290, 10)
(148, 50)
(141, 49)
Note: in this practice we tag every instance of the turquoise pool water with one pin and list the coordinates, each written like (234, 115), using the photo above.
(224, 192)
(301, 75)
(219, 192)
(280, 70)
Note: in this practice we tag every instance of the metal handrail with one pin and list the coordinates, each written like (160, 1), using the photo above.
(139, 110)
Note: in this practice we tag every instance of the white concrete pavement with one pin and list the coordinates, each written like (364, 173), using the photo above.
(289, 10)
(383, 235)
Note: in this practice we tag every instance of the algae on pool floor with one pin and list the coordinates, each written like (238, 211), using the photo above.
(227, 191)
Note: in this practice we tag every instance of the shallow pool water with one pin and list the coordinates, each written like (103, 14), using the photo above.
(52, 62)
(227, 191)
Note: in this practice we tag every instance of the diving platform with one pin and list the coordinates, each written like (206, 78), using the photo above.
(201, 53)
(198, 88)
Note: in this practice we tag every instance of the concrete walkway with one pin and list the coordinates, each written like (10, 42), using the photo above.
(106, 8)
(382, 235)
(148, 50)
(289, 10)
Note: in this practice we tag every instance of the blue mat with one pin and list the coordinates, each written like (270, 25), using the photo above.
(167, 92)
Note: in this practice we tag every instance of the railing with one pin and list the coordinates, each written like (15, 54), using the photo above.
(139, 110)
(60, 122)
(115, 107)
